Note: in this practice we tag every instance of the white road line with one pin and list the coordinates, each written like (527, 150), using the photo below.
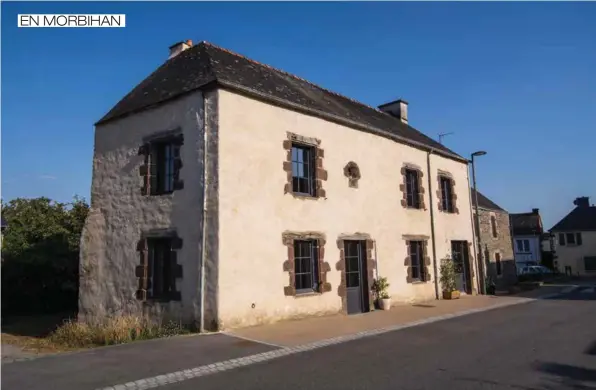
(183, 375)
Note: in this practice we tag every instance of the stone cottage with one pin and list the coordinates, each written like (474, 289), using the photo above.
(228, 193)
(496, 241)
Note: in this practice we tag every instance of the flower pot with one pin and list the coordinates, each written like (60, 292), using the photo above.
(385, 304)
(451, 294)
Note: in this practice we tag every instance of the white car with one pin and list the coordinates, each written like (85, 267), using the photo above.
(534, 270)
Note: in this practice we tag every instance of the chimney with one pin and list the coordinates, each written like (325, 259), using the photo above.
(398, 109)
(179, 47)
(582, 201)
(535, 211)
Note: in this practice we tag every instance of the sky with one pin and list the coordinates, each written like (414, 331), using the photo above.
(514, 79)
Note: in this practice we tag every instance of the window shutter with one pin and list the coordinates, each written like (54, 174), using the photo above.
(578, 238)
(142, 270)
(561, 238)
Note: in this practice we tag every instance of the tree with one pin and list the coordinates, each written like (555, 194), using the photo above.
(40, 254)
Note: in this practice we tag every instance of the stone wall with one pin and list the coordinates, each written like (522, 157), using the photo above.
(501, 244)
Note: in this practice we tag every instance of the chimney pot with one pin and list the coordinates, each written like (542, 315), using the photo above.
(397, 108)
(582, 201)
(179, 47)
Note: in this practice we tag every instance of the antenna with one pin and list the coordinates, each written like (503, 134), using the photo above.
(441, 135)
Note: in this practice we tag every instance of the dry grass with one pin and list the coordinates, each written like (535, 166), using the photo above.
(73, 335)
(116, 330)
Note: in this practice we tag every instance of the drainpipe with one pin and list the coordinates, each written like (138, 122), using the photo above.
(376, 259)
(204, 220)
(432, 222)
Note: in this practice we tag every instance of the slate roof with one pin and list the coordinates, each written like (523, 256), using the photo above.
(579, 219)
(485, 203)
(205, 65)
(526, 224)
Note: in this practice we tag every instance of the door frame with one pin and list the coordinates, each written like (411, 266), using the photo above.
(466, 264)
(362, 289)
(369, 265)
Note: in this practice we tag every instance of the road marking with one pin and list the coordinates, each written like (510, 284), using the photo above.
(589, 290)
(196, 372)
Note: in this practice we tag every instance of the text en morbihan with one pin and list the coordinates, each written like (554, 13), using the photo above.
(72, 20)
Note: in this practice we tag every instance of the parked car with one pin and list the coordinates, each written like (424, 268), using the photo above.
(534, 273)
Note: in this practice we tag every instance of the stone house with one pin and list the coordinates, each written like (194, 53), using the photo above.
(496, 241)
(228, 193)
(575, 240)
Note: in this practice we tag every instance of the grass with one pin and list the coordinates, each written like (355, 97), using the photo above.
(39, 335)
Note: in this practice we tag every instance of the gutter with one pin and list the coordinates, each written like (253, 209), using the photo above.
(204, 224)
(432, 222)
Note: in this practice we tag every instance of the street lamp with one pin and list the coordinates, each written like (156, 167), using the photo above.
(477, 220)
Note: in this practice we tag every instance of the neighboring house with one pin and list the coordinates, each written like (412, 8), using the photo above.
(575, 237)
(2, 228)
(495, 238)
(229, 193)
(527, 238)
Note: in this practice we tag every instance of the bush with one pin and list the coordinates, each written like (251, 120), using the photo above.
(380, 287)
(40, 255)
(116, 330)
(447, 272)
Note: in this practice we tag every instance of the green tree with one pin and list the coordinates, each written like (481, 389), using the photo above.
(40, 254)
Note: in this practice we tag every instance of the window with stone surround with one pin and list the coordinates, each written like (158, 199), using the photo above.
(412, 192)
(417, 259)
(446, 194)
(162, 164)
(158, 268)
(493, 225)
(498, 264)
(305, 263)
(306, 266)
(304, 167)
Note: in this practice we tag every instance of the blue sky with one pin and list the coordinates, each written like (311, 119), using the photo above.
(514, 79)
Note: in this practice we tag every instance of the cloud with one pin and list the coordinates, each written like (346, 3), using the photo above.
(47, 177)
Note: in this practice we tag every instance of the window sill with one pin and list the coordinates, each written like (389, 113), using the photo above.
(415, 208)
(302, 196)
(419, 282)
(307, 294)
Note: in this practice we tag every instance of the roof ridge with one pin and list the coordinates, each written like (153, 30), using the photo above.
(291, 75)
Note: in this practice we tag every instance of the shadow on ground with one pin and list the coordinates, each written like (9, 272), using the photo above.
(567, 376)
(34, 325)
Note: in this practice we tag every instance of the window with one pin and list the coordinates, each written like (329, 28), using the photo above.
(306, 264)
(570, 238)
(578, 238)
(498, 264)
(446, 195)
(417, 260)
(412, 189)
(161, 281)
(493, 224)
(166, 170)
(303, 169)
(590, 263)
(161, 170)
(523, 245)
(561, 238)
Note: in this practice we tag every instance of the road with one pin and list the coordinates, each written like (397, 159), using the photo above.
(546, 345)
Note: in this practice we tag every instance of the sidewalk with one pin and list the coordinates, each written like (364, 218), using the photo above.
(310, 330)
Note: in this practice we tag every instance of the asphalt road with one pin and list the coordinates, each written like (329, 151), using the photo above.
(546, 345)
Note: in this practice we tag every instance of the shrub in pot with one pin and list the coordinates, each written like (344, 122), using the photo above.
(447, 279)
(380, 287)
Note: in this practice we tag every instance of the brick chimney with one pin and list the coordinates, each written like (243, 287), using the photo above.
(582, 201)
(398, 109)
(179, 47)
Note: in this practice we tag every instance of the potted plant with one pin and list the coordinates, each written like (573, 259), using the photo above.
(380, 287)
(447, 279)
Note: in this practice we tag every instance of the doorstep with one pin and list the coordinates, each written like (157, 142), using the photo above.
(309, 330)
